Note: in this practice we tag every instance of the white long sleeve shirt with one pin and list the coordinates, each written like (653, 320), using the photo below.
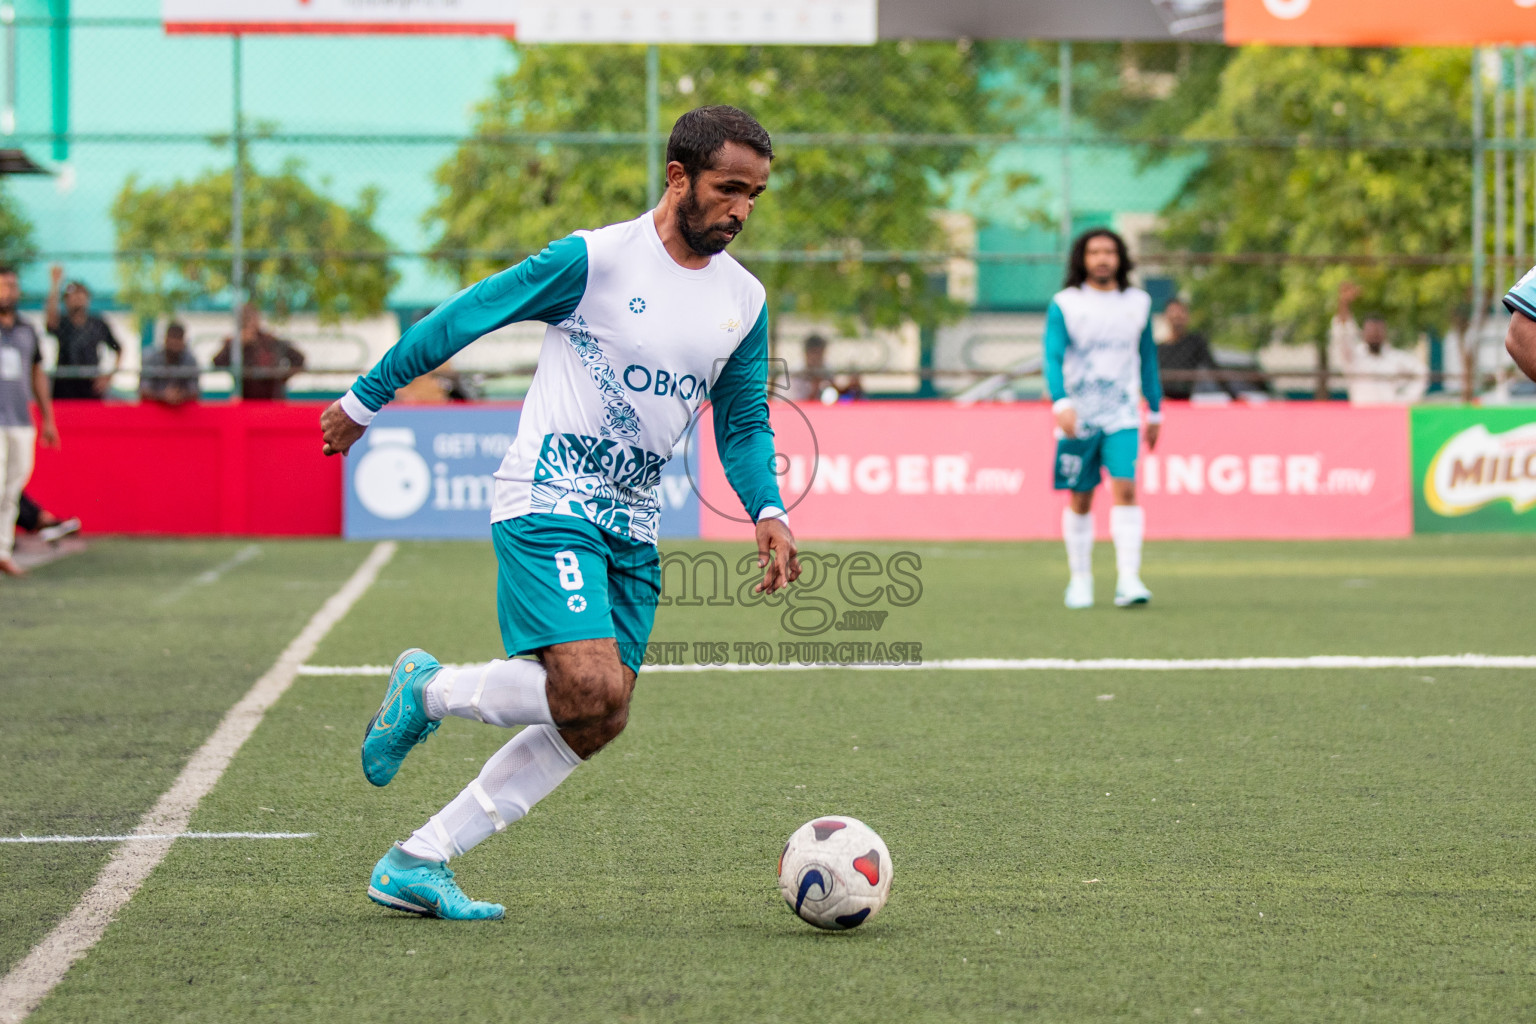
(1389, 377)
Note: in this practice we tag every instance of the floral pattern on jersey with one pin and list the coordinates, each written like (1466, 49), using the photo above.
(619, 417)
(601, 480)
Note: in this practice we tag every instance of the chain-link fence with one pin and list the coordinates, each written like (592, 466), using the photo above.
(923, 199)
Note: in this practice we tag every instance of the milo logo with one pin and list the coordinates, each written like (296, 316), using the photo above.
(1476, 468)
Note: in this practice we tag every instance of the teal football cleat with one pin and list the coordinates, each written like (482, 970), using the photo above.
(425, 887)
(401, 721)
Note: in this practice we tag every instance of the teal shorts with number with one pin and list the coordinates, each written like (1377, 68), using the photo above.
(1079, 460)
(560, 579)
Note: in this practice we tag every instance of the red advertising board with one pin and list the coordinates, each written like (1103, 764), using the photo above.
(248, 468)
(933, 470)
(1304, 470)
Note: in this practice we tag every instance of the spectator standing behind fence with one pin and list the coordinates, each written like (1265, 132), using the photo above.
(170, 373)
(1186, 355)
(815, 383)
(1374, 372)
(22, 382)
(81, 334)
(269, 360)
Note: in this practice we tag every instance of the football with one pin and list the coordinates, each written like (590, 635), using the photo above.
(835, 872)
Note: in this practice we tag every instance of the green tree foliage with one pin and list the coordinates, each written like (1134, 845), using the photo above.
(307, 251)
(502, 199)
(1356, 185)
(16, 245)
(1141, 92)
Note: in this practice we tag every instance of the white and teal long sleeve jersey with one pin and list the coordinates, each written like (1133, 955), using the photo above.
(635, 344)
(1099, 353)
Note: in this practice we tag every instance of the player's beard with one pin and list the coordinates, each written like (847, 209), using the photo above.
(704, 239)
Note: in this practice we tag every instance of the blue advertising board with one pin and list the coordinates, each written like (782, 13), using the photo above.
(428, 474)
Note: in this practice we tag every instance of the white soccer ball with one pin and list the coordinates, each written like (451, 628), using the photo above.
(835, 872)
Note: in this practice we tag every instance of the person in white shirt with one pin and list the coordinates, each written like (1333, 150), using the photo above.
(1374, 372)
(647, 321)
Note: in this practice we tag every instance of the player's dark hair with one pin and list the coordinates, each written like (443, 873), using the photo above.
(1077, 263)
(6, 270)
(700, 135)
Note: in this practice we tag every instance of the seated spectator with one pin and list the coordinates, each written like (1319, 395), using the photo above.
(438, 387)
(1374, 372)
(170, 372)
(81, 334)
(33, 518)
(1185, 359)
(815, 382)
(268, 361)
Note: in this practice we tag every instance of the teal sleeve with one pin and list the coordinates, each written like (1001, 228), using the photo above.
(1522, 297)
(1151, 378)
(546, 287)
(1056, 341)
(743, 435)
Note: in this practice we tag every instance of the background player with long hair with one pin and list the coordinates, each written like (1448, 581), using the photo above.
(1100, 362)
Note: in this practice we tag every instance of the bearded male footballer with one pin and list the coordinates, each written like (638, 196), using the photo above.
(646, 320)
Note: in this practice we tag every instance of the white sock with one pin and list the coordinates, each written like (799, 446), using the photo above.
(1077, 531)
(504, 693)
(1126, 525)
(516, 777)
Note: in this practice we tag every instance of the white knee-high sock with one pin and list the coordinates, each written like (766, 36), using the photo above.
(1077, 531)
(504, 693)
(516, 777)
(1126, 525)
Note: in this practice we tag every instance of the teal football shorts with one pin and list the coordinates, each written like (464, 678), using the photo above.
(1079, 460)
(560, 579)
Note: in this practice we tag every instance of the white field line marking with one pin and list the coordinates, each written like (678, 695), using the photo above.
(45, 966)
(1319, 661)
(178, 835)
(211, 576)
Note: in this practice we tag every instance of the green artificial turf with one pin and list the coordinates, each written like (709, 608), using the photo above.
(1274, 846)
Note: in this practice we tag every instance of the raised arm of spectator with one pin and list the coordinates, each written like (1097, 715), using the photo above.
(51, 304)
(1343, 332)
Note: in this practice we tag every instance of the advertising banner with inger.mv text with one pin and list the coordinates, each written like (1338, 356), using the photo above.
(936, 471)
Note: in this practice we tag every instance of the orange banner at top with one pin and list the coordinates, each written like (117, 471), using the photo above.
(1381, 22)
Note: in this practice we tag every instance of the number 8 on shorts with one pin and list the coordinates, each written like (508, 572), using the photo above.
(569, 569)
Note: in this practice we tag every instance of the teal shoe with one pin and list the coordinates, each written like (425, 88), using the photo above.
(425, 887)
(401, 721)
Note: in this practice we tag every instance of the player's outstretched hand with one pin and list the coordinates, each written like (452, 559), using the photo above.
(777, 556)
(338, 430)
(1154, 430)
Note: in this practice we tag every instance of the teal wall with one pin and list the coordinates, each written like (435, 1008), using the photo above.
(135, 80)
